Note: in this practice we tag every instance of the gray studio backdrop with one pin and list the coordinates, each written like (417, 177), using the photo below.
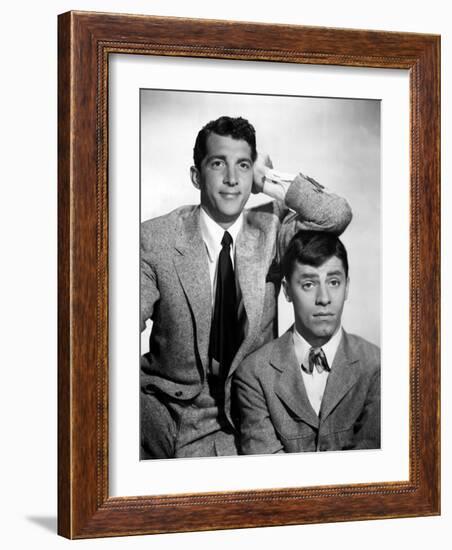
(334, 140)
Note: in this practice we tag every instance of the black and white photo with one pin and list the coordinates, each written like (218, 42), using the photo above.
(254, 170)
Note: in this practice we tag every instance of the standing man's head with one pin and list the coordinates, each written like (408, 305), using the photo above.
(224, 154)
(315, 268)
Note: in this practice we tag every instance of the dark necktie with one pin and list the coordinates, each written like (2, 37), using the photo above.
(318, 360)
(224, 340)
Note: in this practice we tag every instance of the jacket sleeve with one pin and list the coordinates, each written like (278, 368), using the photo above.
(257, 434)
(149, 292)
(315, 208)
(307, 206)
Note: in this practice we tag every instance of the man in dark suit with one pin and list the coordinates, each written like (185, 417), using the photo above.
(210, 279)
(316, 388)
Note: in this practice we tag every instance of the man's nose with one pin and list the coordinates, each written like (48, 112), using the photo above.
(323, 296)
(230, 177)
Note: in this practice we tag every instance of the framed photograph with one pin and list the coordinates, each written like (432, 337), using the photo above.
(288, 140)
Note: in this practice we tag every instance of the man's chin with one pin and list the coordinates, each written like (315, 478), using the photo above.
(229, 216)
(324, 331)
(224, 217)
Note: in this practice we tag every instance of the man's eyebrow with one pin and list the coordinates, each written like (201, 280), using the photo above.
(336, 273)
(313, 275)
(223, 157)
(309, 275)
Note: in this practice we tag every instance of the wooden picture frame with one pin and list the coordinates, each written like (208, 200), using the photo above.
(85, 42)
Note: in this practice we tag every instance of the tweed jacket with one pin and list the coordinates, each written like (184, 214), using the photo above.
(275, 412)
(176, 290)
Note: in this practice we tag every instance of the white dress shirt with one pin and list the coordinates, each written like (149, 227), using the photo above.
(315, 383)
(212, 235)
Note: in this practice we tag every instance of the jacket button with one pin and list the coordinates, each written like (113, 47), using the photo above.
(178, 394)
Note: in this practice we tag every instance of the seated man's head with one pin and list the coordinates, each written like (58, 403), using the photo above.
(224, 154)
(315, 268)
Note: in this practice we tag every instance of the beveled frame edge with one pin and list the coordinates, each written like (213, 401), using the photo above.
(85, 41)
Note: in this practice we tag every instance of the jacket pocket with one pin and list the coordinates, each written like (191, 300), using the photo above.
(294, 430)
(341, 440)
(298, 438)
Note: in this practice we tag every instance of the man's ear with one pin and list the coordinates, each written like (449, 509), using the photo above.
(286, 290)
(195, 177)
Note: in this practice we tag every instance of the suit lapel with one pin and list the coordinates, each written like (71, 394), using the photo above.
(289, 386)
(341, 378)
(191, 264)
(250, 268)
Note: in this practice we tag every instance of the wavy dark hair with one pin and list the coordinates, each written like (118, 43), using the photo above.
(236, 128)
(313, 248)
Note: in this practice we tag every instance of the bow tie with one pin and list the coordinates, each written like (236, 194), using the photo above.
(318, 360)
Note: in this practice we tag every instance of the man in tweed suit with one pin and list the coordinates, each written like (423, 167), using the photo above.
(186, 407)
(316, 388)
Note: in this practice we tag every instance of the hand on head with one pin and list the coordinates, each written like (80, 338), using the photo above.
(262, 162)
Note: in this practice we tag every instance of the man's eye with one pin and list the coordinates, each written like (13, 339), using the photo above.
(245, 166)
(307, 286)
(335, 282)
(215, 164)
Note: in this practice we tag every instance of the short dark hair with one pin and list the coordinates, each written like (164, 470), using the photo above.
(313, 248)
(236, 128)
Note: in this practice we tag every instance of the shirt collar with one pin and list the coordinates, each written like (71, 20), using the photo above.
(212, 233)
(302, 347)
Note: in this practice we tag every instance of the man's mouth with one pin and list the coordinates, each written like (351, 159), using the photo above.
(229, 195)
(326, 314)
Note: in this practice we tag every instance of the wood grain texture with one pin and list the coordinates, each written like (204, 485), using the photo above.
(85, 42)
(64, 294)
